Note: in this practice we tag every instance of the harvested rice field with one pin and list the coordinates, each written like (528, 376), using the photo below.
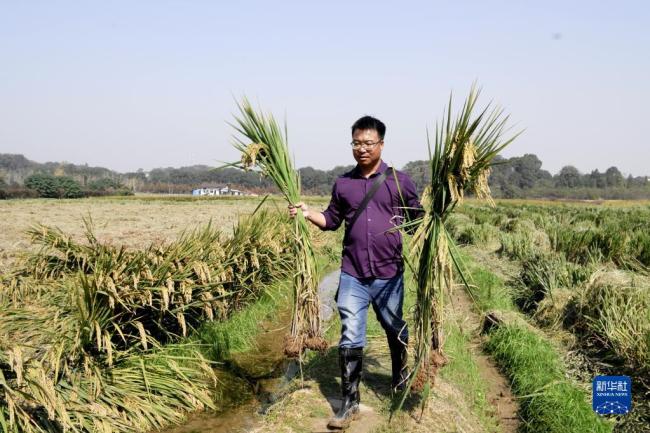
(130, 221)
(557, 294)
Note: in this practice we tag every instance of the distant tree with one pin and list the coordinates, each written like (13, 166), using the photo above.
(595, 179)
(638, 181)
(518, 173)
(68, 187)
(527, 170)
(419, 172)
(12, 161)
(45, 184)
(314, 181)
(613, 177)
(105, 184)
(520, 176)
(568, 177)
(140, 174)
(49, 186)
(338, 171)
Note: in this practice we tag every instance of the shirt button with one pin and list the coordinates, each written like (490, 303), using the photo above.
(369, 219)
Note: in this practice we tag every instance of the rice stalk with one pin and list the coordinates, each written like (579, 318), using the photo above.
(460, 159)
(264, 146)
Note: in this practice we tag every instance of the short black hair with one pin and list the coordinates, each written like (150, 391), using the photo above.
(369, 122)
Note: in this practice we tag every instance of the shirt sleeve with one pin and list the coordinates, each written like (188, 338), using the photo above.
(334, 212)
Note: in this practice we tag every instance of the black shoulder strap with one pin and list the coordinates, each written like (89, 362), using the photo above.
(371, 192)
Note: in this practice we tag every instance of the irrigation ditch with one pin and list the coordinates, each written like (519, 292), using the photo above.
(263, 378)
(252, 381)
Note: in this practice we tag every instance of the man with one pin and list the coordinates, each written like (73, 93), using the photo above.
(371, 266)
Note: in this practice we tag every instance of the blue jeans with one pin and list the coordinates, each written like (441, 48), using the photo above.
(387, 298)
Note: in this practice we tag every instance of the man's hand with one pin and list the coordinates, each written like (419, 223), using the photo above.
(293, 210)
(316, 218)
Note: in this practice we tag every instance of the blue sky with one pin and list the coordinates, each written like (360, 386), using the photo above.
(151, 83)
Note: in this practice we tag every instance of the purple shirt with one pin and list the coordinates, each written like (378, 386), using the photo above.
(370, 247)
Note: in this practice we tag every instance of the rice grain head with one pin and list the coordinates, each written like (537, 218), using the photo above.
(143, 334)
(467, 161)
(252, 154)
(481, 187)
(16, 362)
(455, 190)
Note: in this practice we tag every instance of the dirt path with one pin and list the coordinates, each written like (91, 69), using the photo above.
(305, 407)
(499, 394)
(308, 407)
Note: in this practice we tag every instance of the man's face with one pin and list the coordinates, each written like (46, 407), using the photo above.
(369, 152)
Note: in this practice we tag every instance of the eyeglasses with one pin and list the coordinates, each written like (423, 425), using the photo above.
(356, 145)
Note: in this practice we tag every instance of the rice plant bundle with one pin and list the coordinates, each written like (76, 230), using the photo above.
(142, 392)
(614, 313)
(463, 149)
(264, 146)
(155, 295)
(91, 334)
(258, 252)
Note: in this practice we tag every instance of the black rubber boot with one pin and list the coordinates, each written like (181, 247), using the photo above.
(351, 362)
(399, 358)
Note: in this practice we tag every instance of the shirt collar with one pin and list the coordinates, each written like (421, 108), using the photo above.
(382, 168)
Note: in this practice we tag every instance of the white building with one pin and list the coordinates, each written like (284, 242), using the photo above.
(216, 190)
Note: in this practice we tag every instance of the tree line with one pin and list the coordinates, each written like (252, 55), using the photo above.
(516, 177)
(22, 178)
(523, 177)
(44, 185)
